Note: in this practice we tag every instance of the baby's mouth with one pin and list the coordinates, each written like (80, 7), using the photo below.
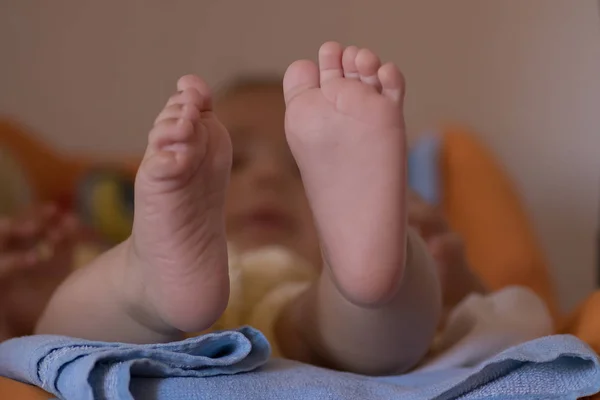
(267, 220)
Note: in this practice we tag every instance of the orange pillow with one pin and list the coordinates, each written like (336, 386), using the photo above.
(13, 390)
(483, 206)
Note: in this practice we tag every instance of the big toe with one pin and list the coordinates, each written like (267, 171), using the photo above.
(300, 76)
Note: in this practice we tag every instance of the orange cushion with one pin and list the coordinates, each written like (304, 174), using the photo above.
(482, 205)
(585, 322)
(53, 175)
(13, 390)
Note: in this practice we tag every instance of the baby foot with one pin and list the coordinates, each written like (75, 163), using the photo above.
(345, 127)
(178, 238)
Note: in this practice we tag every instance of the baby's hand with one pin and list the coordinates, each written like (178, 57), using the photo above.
(32, 238)
(36, 251)
(447, 249)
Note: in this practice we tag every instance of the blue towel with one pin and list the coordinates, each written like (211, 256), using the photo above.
(233, 365)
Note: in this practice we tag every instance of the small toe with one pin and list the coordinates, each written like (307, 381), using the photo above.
(173, 111)
(193, 82)
(170, 131)
(178, 110)
(330, 61)
(368, 64)
(187, 96)
(349, 62)
(392, 82)
(163, 165)
(300, 76)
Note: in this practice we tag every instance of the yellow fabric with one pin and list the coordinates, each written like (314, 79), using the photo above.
(108, 212)
(263, 282)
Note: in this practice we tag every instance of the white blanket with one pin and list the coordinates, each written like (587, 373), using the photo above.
(482, 326)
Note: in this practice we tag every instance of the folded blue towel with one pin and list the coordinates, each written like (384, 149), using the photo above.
(212, 366)
(80, 369)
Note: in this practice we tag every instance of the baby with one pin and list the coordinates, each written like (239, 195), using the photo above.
(375, 304)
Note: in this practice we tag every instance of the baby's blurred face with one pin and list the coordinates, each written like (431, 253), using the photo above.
(266, 203)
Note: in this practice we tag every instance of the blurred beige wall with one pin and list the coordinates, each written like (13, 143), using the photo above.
(91, 75)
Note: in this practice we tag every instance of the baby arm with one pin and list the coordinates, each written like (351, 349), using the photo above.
(448, 250)
(322, 327)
